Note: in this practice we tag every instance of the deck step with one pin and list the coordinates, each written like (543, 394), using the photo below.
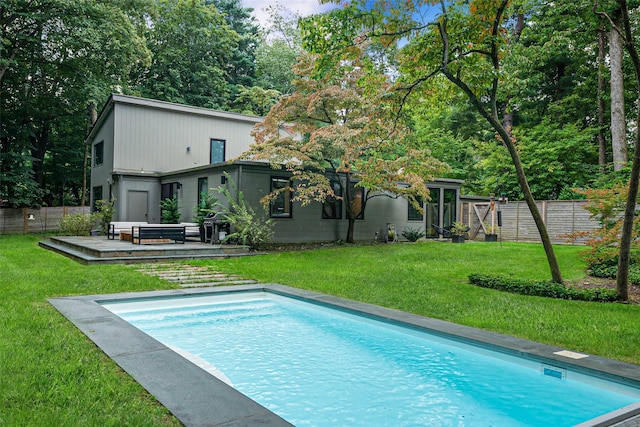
(100, 250)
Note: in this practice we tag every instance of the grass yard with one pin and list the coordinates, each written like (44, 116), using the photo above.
(52, 375)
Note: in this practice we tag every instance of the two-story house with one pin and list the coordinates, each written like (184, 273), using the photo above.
(144, 151)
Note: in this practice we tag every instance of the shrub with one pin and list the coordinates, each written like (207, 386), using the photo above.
(206, 206)
(413, 234)
(246, 226)
(170, 211)
(609, 269)
(77, 224)
(104, 214)
(607, 207)
(541, 288)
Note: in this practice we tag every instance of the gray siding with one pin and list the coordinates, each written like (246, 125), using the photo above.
(101, 175)
(156, 140)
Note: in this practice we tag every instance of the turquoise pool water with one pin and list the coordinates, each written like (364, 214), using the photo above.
(317, 366)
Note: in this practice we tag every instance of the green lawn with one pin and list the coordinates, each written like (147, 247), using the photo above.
(431, 279)
(51, 374)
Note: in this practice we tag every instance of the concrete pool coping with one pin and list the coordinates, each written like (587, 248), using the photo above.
(197, 398)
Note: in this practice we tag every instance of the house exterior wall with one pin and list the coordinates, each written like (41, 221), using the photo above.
(140, 184)
(306, 223)
(144, 139)
(101, 174)
(151, 139)
(145, 146)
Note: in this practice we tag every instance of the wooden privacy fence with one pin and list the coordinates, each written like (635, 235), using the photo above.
(27, 220)
(560, 216)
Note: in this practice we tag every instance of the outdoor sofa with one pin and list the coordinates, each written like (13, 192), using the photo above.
(115, 227)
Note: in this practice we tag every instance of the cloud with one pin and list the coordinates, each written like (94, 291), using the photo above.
(301, 7)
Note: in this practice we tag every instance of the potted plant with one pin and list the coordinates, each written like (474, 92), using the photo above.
(458, 230)
(206, 206)
(491, 234)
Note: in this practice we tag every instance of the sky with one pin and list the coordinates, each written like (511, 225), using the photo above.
(301, 7)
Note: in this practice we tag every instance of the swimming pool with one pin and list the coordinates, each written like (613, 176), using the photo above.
(414, 380)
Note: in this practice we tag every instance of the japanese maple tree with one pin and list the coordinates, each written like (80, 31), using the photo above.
(341, 137)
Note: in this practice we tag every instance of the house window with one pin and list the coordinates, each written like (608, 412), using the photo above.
(203, 187)
(357, 201)
(168, 190)
(98, 153)
(432, 210)
(217, 150)
(281, 204)
(97, 195)
(414, 214)
(332, 206)
(449, 207)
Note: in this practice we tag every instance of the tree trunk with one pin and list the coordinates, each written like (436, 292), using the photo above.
(39, 147)
(556, 275)
(493, 120)
(602, 143)
(93, 117)
(622, 286)
(618, 125)
(349, 209)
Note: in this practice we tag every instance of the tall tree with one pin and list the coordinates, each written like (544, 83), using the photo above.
(56, 57)
(625, 30)
(468, 44)
(242, 64)
(618, 118)
(192, 45)
(338, 135)
(278, 50)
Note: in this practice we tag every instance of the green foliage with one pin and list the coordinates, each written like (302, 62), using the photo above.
(352, 133)
(560, 157)
(241, 69)
(77, 224)
(104, 214)
(541, 288)
(170, 211)
(607, 207)
(206, 206)
(56, 57)
(413, 234)
(255, 100)
(247, 227)
(192, 46)
(609, 269)
(17, 184)
(458, 228)
(276, 54)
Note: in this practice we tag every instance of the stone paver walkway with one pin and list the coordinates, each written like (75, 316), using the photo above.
(189, 276)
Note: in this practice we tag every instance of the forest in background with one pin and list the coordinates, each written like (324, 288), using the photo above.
(567, 104)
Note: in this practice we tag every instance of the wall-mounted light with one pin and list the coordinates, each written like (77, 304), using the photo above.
(31, 217)
(223, 179)
(178, 185)
(188, 149)
(108, 180)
